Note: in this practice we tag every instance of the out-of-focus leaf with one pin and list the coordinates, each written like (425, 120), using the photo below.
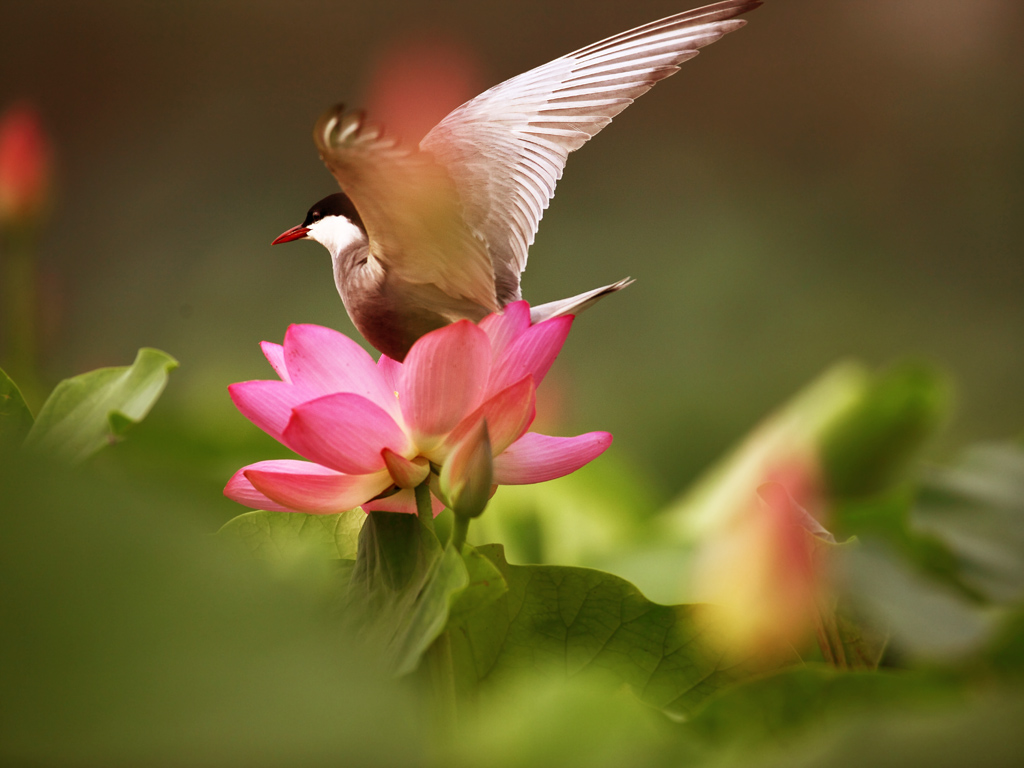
(575, 621)
(976, 508)
(887, 518)
(863, 644)
(94, 409)
(545, 721)
(133, 637)
(927, 618)
(1006, 650)
(486, 585)
(274, 536)
(580, 519)
(15, 417)
(790, 433)
(402, 587)
(984, 732)
(869, 446)
(775, 709)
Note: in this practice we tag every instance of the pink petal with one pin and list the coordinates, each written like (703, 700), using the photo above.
(345, 432)
(509, 414)
(404, 472)
(535, 458)
(307, 487)
(391, 370)
(325, 361)
(531, 354)
(240, 489)
(275, 356)
(268, 404)
(506, 326)
(404, 501)
(443, 378)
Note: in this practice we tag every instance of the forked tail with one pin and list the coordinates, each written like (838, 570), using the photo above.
(575, 304)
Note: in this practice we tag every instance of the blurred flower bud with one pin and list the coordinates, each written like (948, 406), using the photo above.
(764, 576)
(24, 166)
(467, 477)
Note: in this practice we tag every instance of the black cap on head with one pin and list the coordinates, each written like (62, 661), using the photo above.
(337, 204)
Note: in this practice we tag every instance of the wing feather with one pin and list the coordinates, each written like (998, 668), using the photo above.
(411, 210)
(505, 150)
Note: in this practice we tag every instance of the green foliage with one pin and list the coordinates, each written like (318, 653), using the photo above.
(277, 536)
(15, 417)
(868, 448)
(576, 621)
(133, 637)
(94, 409)
(777, 708)
(976, 506)
(139, 638)
(405, 583)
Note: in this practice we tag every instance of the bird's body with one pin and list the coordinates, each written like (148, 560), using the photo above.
(422, 237)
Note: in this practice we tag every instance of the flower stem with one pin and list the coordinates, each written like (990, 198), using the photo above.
(424, 509)
(19, 321)
(441, 679)
(459, 531)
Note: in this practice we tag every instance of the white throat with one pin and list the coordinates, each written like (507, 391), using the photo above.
(337, 234)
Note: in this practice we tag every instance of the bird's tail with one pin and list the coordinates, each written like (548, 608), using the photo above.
(575, 304)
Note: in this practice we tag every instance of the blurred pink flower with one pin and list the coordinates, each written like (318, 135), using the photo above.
(24, 164)
(374, 431)
(764, 575)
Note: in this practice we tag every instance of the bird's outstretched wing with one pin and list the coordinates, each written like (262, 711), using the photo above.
(411, 211)
(505, 149)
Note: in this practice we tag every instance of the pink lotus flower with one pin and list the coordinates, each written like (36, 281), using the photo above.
(374, 431)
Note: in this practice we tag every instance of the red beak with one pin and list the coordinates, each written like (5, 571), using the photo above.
(295, 233)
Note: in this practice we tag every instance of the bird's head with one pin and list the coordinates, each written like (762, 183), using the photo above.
(333, 222)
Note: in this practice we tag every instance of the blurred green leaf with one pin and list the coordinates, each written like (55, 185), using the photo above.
(276, 536)
(775, 709)
(486, 586)
(928, 618)
(870, 446)
(545, 721)
(983, 731)
(976, 508)
(15, 417)
(95, 409)
(133, 637)
(789, 434)
(580, 519)
(1006, 650)
(572, 621)
(402, 587)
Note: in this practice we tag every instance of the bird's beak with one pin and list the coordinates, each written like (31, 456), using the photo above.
(295, 233)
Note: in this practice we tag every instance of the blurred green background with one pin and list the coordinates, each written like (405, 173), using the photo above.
(834, 180)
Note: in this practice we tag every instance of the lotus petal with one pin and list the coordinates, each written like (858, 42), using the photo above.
(308, 487)
(345, 432)
(443, 379)
(535, 458)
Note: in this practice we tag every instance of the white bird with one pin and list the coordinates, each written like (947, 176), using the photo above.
(422, 237)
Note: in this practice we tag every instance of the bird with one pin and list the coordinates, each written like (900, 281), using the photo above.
(423, 236)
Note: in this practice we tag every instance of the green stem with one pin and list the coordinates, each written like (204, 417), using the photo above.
(423, 507)
(19, 319)
(441, 676)
(459, 531)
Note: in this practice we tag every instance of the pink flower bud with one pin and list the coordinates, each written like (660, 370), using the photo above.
(764, 574)
(468, 475)
(24, 165)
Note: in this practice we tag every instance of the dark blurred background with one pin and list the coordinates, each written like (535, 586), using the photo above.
(835, 180)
